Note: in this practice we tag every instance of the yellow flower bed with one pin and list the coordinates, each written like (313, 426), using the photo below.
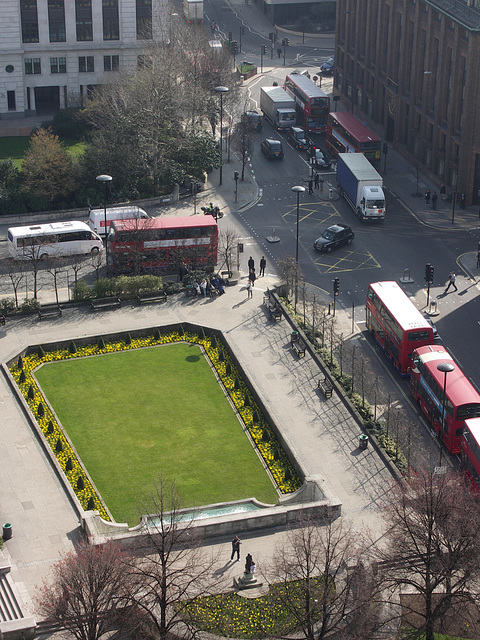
(21, 370)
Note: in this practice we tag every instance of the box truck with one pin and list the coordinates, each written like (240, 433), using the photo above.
(361, 186)
(193, 10)
(278, 107)
(96, 220)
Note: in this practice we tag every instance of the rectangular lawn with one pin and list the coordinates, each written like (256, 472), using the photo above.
(136, 414)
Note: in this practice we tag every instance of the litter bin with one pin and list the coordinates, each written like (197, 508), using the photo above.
(363, 441)
(190, 290)
(294, 336)
(7, 531)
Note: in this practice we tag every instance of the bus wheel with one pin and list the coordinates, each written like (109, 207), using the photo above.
(95, 251)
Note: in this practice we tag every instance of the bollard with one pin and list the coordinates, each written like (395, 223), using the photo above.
(433, 307)
(406, 278)
(330, 193)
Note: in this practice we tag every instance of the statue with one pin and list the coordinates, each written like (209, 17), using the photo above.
(248, 563)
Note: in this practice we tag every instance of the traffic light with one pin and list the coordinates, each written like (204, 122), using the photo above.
(429, 271)
(234, 47)
(230, 36)
(236, 175)
(264, 49)
(336, 287)
(242, 29)
(285, 42)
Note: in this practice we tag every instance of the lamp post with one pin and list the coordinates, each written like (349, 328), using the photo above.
(298, 190)
(221, 91)
(444, 367)
(105, 179)
(454, 196)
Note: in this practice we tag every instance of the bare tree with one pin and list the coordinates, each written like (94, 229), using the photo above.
(16, 273)
(242, 142)
(97, 263)
(328, 590)
(227, 248)
(174, 567)
(77, 263)
(55, 268)
(88, 592)
(432, 547)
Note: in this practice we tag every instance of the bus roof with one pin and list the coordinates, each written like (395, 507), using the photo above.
(171, 222)
(352, 124)
(473, 425)
(400, 306)
(53, 227)
(307, 86)
(459, 389)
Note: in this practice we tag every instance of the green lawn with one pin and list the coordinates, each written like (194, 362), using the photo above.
(136, 414)
(15, 146)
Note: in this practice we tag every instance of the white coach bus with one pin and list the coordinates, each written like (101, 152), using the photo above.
(55, 240)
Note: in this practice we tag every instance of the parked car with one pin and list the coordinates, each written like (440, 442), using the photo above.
(252, 118)
(272, 148)
(298, 138)
(328, 66)
(318, 158)
(335, 236)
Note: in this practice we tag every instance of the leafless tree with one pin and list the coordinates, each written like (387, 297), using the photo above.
(242, 142)
(88, 592)
(97, 263)
(227, 248)
(16, 273)
(432, 547)
(56, 267)
(336, 589)
(77, 263)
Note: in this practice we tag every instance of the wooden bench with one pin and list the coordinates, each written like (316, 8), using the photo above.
(274, 312)
(105, 303)
(326, 386)
(298, 346)
(49, 311)
(151, 296)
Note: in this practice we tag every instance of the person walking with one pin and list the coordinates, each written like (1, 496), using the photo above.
(203, 287)
(236, 542)
(310, 187)
(434, 200)
(443, 191)
(279, 52)
(251, 263)
(451, 281)
(252, 276)
(463, 201)
(317, 180)
(427, 197)
(249, 290)
(263, 264)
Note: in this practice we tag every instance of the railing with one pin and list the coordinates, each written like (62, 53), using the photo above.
(459, 9)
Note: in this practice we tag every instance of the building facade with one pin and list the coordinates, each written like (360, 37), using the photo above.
(412, 70)
(52, 52)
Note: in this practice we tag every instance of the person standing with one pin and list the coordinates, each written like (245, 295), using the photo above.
(251, 263)
(310, 187)
(463, 200)
(317, 180)
(451, 281)
(252, 276)
(236, 542)
(434, 200)
(478, 258)
(443, 190)
(427, 197)
(249, 290)
(203, 287)
(263, 264)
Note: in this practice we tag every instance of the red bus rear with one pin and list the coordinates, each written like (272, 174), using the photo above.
(396, 324)
(162, 244)
(346, 134)
(470, 445)
(313, 105)
(427, 385)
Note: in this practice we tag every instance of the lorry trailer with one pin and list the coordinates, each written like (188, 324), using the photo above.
(361, 186)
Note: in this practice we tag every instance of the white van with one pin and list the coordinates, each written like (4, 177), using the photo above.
(55, 240)
(96, 221)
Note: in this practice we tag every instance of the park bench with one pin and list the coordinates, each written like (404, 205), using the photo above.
(151, 296)
(105, 303)
(298, 345)
(49, 311)
(274, 312)
(326, 386)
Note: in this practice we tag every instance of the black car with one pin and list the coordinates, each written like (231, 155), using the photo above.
(272, 148)
(253, 119)
(335, 236)
(318, 158)
(298, 138)
(328, 66)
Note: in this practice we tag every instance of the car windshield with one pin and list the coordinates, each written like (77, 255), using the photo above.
(276, 146)
(375, 204)
(328, 235)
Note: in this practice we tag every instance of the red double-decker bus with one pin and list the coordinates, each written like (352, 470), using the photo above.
(470, 445)
(427, 385)
(346, 134)
(313, 105)
(396, 324)
(162, 244)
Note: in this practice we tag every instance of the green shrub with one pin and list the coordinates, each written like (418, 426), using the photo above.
(81, 291)
(59, 445)
(40, 410)
(72, 347)
(172, 288)
(40, 351)
(30, 393)
(30, 305)
(20, 362)
(22, 377)
(101, 344)
(7, 306)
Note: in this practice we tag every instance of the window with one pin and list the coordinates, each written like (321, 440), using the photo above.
(56, 20)
(11, 102)
(83, 18)
(58, 65)
(32, 66)
(110, 63)
(86, 64)
(29, 17)
(111, 29)
(144, 19)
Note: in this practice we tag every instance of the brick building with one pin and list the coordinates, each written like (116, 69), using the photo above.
(412, 68)
(52, 52)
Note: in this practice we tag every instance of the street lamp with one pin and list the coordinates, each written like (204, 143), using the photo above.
(445, 367)
(221, 91)
(105, 179)
(298, 190)
(454, 196)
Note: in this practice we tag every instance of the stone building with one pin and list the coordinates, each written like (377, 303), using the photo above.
(412, 69)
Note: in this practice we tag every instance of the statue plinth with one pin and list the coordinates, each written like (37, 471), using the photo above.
(247, 581)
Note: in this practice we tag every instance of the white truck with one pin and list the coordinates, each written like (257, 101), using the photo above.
(278, 107)
(361, 186)
(193, 10)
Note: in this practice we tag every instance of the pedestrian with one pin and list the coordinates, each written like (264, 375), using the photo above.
(203, 287)
(443, 190)
(310, 187)
(249, 290)
(317, 180)
(279, 52)
(263, 264)
(236, 542)
(478, 258)
(251, 263)
(434, 200)
(252, 276)
(427, 197)
(451, 281)
(462, 201)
